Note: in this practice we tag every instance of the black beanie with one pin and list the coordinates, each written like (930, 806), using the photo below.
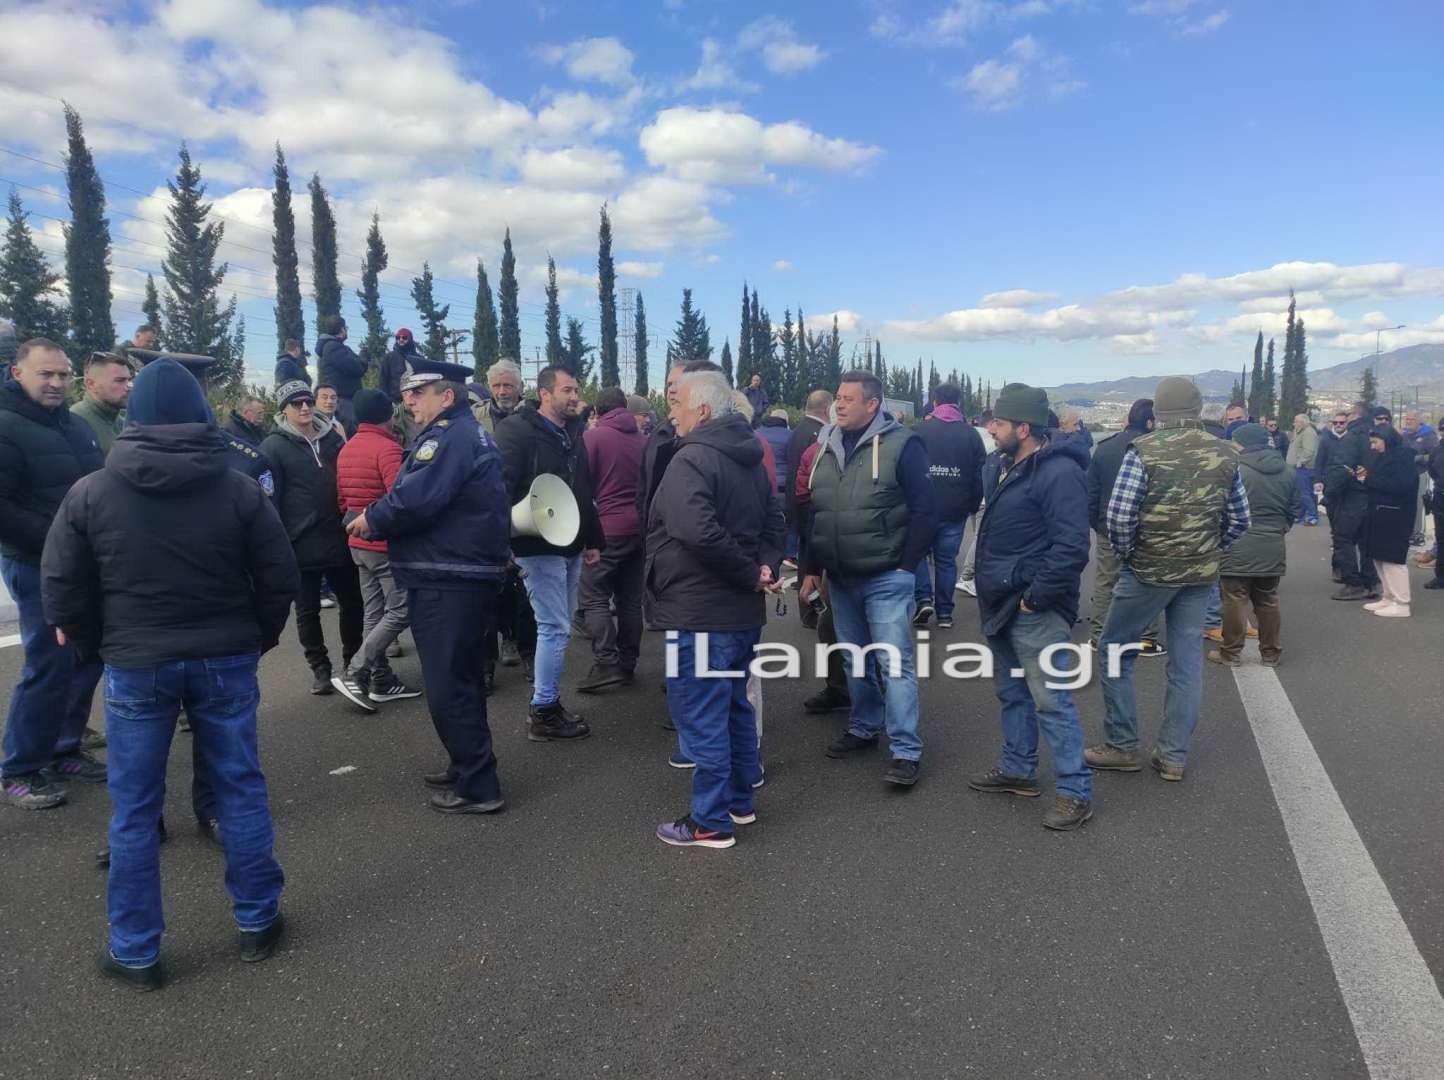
(372, 406)
(166, 393)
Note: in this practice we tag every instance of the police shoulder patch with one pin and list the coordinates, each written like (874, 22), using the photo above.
(443, 423)
(267, 482)
(427, 450)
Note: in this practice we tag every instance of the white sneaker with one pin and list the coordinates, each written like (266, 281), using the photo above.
(1394, 611)
(1378, 605)
(968, 587)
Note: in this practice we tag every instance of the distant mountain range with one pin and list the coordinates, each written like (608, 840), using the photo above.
(1402, 370)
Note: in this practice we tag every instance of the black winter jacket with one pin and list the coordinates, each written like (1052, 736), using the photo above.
(167, 554)
(1033, 539)
(656, 455)
(289, 369)
(339, 366)
(1340, 487)
(393, 367)
(955, 466)
(713, 522)
(304, 476)
(42, 453)
(803, 436)
(249, 433)
(1392, 485)
(1103, 473)
(530, 446)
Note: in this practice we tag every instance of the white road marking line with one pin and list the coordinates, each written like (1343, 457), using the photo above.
(343, 770)
(1392, 998)
(9, 641)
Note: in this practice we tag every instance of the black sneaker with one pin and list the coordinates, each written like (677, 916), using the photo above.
(31, 791)
(601, 677)
(902, 772)
(1351, 592)
(945, 622)
(997, 780)
(391, 690)
(847, 744)
(449, 802)
(924, 614)
(1067, 813)
(827, 700)
(257, 945)
(552, 723)
(140, 979)
(77, 765)
(353, 689)
(321, 681)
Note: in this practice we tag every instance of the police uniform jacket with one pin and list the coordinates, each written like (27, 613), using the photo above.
(446, 520)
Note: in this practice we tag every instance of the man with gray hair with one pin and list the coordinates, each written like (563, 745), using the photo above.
(514, 620)
(872, 523)
(714, 541)
(503, 379)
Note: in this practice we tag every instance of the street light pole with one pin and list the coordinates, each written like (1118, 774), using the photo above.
(1377, 333)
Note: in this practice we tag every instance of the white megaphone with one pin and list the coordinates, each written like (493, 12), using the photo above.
(549, 511)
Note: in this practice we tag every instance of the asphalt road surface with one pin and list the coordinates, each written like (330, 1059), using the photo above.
(1214, 928)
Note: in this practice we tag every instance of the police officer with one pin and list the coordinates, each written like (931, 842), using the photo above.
(447, 525)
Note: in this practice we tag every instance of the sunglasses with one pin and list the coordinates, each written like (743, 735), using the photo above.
(302, 403)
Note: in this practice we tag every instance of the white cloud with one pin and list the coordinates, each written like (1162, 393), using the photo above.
(848, 322)
(711, 258)
(1071, 322)
(999, 83)
(1015, 298)
(599, 59)
(574, 167)
(715, 72)
(1206, 25)
(781, 265)
(993, 84)
(783, 53)
(1178, 14)
(723, 146)
(1430, 333)
(1326, 280)
(634, 269)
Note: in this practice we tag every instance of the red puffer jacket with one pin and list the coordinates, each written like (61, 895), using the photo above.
(365, 471)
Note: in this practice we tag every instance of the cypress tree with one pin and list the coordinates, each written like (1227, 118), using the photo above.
(27, 284)
(575, 353)
(744, 343)
(879, 364)
(690, 340)
(509, 329)
(639, 349)
(369, 294)
(485, 342)
(238, 348)
(195, 322)
(432, 317)
(607, 303)
(727, 358)
(1294, 385)
(832, 371)
(290, 319)
(787, 373)
(804, 361)
(934, 381)
(1270, 393)
(1301, 369)
(764, 350)
(151, 306)
(87, 246)
(1256, 384)
(918, 386)
(324, 279)
(556, 351)
(1368, 386)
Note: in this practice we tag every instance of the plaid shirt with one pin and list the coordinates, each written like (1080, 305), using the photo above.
(1129, 491)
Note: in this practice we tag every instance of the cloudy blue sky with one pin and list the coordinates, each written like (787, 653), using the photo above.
(1045, 190)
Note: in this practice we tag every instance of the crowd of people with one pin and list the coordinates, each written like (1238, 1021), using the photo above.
(146, 542)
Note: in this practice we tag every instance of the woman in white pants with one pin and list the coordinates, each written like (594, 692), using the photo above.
(1391, 481)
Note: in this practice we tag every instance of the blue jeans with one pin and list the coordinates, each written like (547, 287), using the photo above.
(51, 702)
(716, 725)
(879, 609)
(947, 539)
(1134, 606)
(1213, 614)
(1029, 704)
(1305, 480)
(220, 696)
(551, 584)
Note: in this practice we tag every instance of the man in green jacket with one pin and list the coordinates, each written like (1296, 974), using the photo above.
(107, 387)
(1250, 571)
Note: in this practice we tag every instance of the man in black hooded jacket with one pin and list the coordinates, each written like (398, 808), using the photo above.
(395, 363)
(176, 570)
(1348, 503)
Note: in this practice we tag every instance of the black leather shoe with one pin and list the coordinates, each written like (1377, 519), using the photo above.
(139, 979)
(321, 681)
(449, 802)
(902, 772)
(601, 677)
(257, 945)
(847, 744)
(442, 780)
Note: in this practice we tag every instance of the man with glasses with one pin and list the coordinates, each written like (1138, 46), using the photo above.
(1349, 506)
(43, 451)
(1329, 437)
